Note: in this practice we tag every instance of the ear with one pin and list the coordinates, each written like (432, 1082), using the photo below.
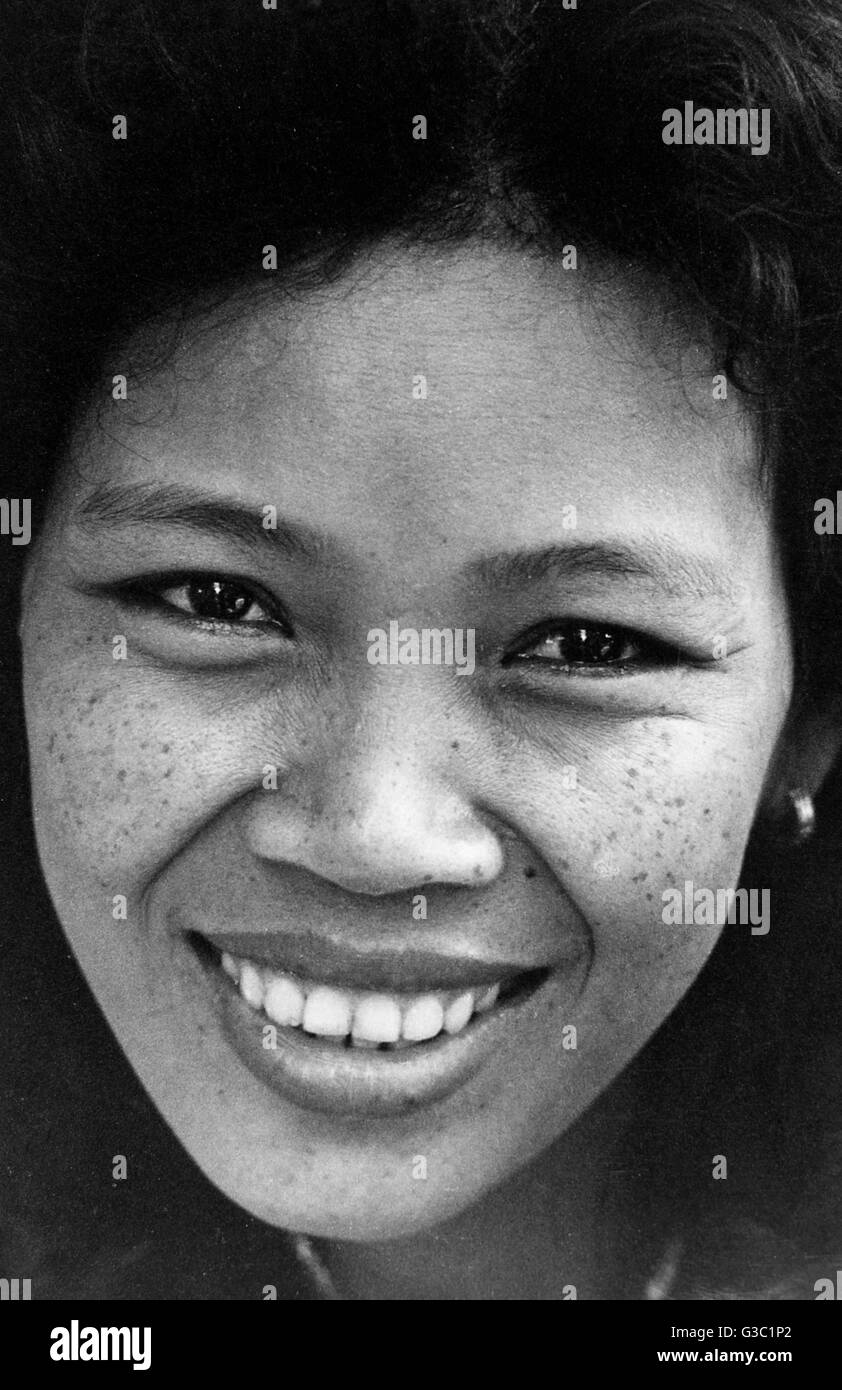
(808, 749)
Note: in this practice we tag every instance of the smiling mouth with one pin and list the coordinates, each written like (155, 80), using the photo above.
(366, 1020)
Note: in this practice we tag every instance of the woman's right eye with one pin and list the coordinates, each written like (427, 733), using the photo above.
(216, 600)
(219, 600)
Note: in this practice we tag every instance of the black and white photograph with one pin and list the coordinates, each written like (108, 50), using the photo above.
(421, 660)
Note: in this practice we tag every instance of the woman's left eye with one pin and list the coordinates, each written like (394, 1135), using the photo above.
(215, 600)
(578, 645)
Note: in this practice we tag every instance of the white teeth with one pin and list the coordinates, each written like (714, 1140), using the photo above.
(251, 986)
(458, 1013)
(423, 1019)
(284, 1002)
(398, 1020)
(485, 1001)
(377, 1019)
(327, 1012)
(230, 966)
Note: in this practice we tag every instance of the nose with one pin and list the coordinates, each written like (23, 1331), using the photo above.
(373, 820)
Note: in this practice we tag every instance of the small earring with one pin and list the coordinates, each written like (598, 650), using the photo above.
(802, 815)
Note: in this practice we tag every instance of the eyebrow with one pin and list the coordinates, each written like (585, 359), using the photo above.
(172, 504)
(650, 559)
(654, 560)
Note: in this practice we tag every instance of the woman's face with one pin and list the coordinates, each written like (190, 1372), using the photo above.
(226, 757)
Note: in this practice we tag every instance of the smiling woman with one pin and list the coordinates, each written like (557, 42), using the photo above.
(375, 986)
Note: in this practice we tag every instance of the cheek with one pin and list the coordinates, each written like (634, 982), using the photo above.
(670, 801)
(663, 802)
(622, 811)
(124, 768)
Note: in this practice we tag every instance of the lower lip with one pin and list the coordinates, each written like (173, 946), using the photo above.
(333, 1080)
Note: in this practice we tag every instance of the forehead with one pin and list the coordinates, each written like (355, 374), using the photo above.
(427, 383)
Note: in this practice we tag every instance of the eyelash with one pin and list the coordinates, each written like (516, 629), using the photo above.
(651, 652)
(149, 593)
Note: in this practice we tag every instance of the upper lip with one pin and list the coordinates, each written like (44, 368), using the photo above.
(324, 959)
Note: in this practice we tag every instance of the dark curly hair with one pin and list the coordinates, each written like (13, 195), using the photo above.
(292, 127)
